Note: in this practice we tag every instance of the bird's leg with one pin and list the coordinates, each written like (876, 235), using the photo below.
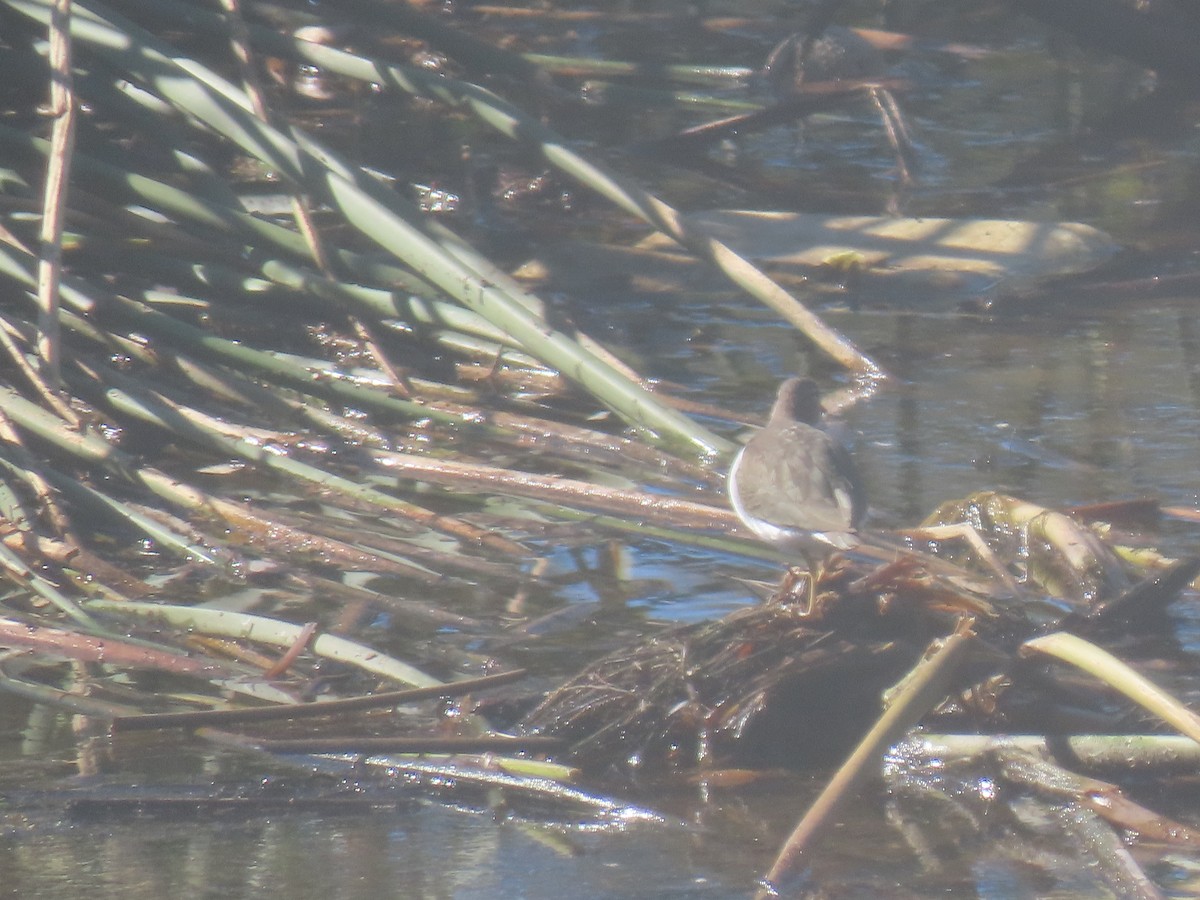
(788, 590)
(811, 573)
(814, 564)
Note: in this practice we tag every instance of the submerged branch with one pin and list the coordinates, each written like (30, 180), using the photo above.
(382, 700)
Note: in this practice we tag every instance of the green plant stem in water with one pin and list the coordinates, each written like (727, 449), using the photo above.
(375, 211)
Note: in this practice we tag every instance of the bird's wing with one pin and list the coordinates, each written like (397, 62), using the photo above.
(823, 491)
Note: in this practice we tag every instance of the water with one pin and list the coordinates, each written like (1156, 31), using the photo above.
(1086, 402)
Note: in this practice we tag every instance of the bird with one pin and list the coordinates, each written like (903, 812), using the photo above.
(794, 484)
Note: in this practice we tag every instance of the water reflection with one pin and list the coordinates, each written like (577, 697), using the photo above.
(420, 853)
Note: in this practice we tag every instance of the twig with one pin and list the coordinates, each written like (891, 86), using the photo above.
(22, 574)
(488, 743)
(58, 175)
(270, 631)
(26, 466)
(1155, 752)
(813, 98)
(60, 699)
(453, 776)
(382, 700)
(293, 652)
(72, 645)
(638, 504)
(272, 533)
(8, 334)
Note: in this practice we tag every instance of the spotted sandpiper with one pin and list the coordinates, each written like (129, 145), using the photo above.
(794, 484)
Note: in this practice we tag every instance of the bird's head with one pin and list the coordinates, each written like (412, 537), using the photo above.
(799, 399)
